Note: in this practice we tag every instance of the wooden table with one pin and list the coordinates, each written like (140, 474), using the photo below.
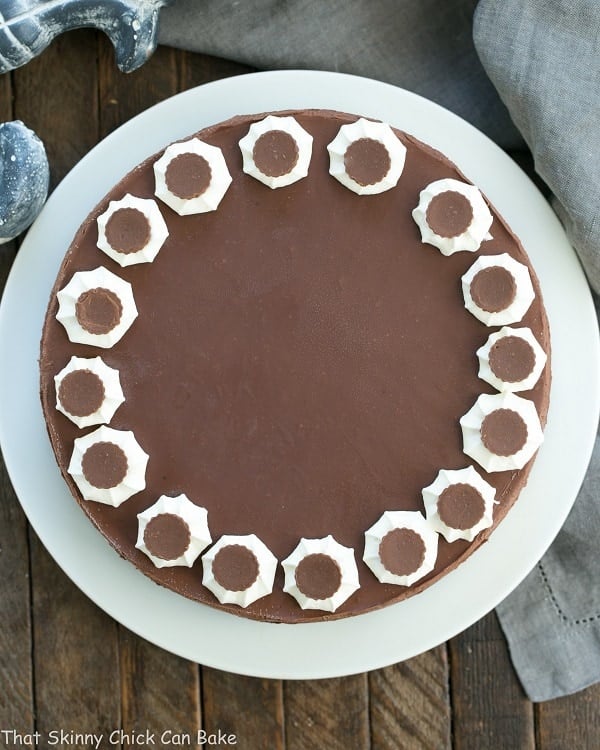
(65, 665)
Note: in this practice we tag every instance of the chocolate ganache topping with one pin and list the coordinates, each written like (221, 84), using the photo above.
(285, 368)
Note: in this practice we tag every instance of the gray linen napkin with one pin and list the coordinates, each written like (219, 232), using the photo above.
(543, 58)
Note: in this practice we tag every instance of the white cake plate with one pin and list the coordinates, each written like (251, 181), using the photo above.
(352, 645)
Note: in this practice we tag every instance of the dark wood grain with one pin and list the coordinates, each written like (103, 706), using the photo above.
(489, 707)
(247, 708)
(331, 714)
(76, 659)
(409, 704)
(194, 70)
(160, 692)
(570, 722)
(16, 674)
(16, 678)
(124, 95)
(56, 96)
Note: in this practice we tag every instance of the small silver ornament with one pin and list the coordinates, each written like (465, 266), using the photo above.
(24, 178)
(28, 26)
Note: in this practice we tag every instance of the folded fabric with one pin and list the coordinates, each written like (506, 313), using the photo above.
(543, 58)
(425, 47)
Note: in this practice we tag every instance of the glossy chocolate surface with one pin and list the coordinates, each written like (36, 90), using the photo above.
(299, 364)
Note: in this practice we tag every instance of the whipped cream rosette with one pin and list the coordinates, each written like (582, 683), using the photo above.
(453, 216)
(501, 431)
(108, 466)
(320, 573)
(511, 359)
(191, 177)
(88, 391)
(96, 307)
(401, 547)
(131, 230)
(366, 157)
(459, 504)
(239, 569)
(276, 151)
(173, 531)
(497, 289)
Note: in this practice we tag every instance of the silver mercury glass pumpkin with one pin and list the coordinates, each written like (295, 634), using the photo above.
(28, 26)
(24, 177)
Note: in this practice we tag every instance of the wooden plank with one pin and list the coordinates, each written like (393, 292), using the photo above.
(56, 96)
(246, 708)
(16, 678)
(74, 644)
(570, 722)
(124, 95)
(150, 678)
(332, 714)
(195, 70)
(76, 659)
(489, 706)
(410, 704)
(6, 104)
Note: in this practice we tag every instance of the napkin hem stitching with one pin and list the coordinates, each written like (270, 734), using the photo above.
(565, 618)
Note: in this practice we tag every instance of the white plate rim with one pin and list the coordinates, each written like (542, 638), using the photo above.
(352, 645)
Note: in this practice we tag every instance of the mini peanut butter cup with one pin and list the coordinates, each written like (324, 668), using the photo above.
(167, 536)
(449, 214)
(512, 359)
(503, 432)
(127, 230)
(98, 310)
(104, 465)
(402, 551)
(367, 161)
(493, 288)
(318, 576)
(81, 392)
(188, 175)
(461, 506)
(235, 567)
(275, 153)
